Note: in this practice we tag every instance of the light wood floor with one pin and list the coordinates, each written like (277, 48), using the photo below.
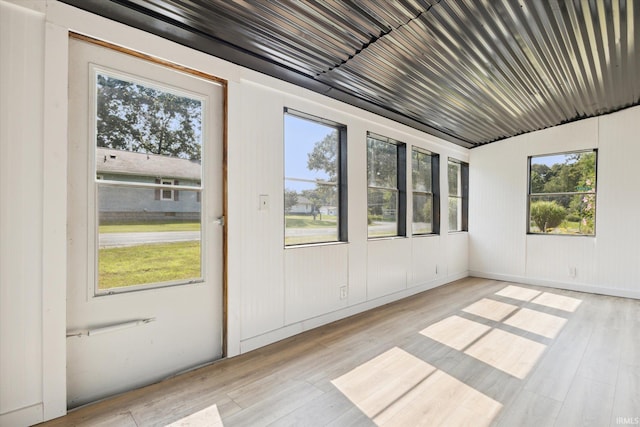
(474, 352)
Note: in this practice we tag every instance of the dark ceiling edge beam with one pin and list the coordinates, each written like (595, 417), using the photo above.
(144, 20)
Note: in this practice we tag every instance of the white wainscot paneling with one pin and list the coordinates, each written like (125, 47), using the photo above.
(561, 259)
(314, 277)
(426, 264)
(388, 266)
(255, 236)
(617, 208)
(21, 215)
(457, 253)
(497, 207)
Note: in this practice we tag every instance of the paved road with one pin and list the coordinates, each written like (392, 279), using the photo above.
(379, 227)
(113, 240)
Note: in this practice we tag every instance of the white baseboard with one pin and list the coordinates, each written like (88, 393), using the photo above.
(26, 416)
(614, 292)
(308, 324)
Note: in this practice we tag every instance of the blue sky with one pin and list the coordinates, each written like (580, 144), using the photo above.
(300, 136)
(549, 160)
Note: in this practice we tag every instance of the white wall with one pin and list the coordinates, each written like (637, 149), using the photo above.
(273, 292)
(499, 246)
(21, 233)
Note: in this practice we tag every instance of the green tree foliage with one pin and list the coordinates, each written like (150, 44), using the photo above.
(453, 178)
(324, 156)
(138, 118)
(547, 215)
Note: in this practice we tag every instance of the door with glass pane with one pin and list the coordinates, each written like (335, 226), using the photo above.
(145, 194)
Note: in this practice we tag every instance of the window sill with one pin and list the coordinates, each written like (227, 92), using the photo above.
(561, 235)
(377, 239)
(314, 245)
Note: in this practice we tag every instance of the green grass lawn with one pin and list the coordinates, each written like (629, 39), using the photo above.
(150, 227)
(144, 264)
(567, 227)
(303, 221)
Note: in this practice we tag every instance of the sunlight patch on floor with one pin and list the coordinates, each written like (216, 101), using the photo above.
(519, 293)
(544, 324)
(455, 331)
(208, 417)
(399, 389)
(560, 302)
(507, 352)
(490, 309)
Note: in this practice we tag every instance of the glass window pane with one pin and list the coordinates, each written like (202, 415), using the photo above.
(311, 192)
(565, 214)
(562, 193)
(382, 163)
(143, 240)
(422, 213)
(453, 175)
(311, 213)
(455, 214)
(310, 150)
(421, 171)
(151, 135)
(140, 118)
(563, 173)
(382, 212)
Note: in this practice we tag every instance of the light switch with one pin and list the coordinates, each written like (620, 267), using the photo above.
(263, 201)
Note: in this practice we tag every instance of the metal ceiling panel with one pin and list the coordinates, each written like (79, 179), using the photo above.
(470, 71)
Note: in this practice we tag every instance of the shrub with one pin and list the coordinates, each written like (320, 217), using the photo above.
(547, 215)
(573, 218)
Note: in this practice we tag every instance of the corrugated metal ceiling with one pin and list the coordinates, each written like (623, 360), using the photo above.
(470, 71)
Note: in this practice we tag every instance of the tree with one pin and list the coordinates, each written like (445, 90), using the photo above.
(290, 199)
(382, 163)
(324, 156)
(322, 195)
(315, 199)
(138, 118)
(547, 215)
(540, 174)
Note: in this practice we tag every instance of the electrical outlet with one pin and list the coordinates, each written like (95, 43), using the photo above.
(572, 272)
(344, 292)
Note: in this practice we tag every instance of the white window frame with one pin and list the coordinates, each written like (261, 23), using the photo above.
(400, 188)
(99, 181)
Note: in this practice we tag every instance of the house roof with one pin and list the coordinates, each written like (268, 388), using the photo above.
(468, 71)
(142, 164)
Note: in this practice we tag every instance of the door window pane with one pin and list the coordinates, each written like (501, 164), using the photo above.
(148, 138)
(142, 242)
